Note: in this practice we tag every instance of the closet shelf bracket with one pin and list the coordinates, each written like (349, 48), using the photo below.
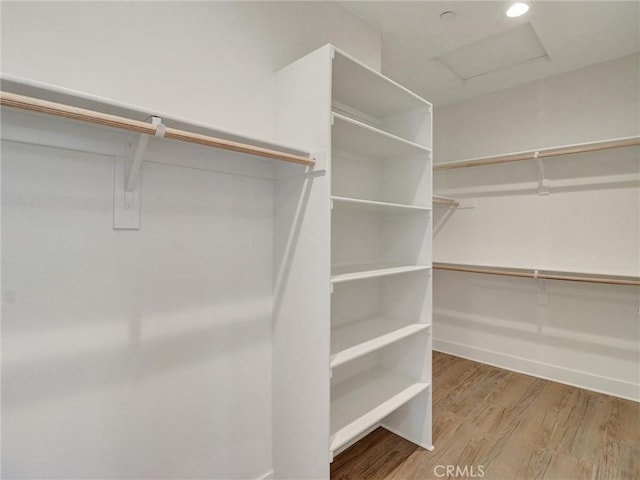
(543, 181)
(133, 174)
(126, 184)
(543, 296)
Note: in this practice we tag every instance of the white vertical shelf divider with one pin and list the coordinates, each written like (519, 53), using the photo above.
(301, 305)
(356, 352)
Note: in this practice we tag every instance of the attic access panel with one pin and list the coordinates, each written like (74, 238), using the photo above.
(517, 45)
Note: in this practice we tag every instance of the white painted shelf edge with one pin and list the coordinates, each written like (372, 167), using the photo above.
(367, 346)
(376, 205)
(377, 131)
(346, 273)
(386, 390)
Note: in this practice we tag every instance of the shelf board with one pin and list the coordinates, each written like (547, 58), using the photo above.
(356, 137)
(381, 98)
(360, 402)
(375, 206)
(541, 153)
(541, 274)
(359, 338)
(54, 93)
(346, 273)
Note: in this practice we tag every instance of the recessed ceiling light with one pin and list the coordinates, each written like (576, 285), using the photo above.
(517, 9)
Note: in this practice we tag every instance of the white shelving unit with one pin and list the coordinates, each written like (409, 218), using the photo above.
(375, 137)
(350, 275)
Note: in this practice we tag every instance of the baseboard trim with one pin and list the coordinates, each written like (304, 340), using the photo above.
(266, 476)
(554, 373)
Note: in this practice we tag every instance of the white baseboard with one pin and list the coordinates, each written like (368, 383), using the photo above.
(588, 381)
(266, 476)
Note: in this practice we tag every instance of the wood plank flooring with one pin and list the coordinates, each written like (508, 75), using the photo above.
(502, 425)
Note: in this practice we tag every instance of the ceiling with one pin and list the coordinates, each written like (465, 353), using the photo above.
(482, 50)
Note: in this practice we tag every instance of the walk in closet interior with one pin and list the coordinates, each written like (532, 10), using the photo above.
(233, 233)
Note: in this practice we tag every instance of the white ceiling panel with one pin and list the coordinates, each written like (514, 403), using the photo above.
(511, 47)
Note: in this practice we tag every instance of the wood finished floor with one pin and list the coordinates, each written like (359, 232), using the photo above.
(516, 426)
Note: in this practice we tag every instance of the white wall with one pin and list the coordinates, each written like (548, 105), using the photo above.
(146, 354)
(587, 335)
(212, 62)
(596, 102)
(141, 354)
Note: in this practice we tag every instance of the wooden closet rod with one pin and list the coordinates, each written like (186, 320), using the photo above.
(57, 109)
(547, 276)
(542, 153)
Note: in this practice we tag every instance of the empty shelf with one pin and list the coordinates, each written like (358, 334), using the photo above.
(356, 137)
(347, 273)
(362, 401)
(369, 91)
(356, 339)
(375, 206)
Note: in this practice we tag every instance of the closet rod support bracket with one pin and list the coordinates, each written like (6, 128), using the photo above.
(543, 181)
(133, 175)
(126, 204)
(126, 182)
(543, 295)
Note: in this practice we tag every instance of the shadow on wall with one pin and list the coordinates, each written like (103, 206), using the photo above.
(571, 319)
(441, 213)
(294, 185)
(66, 363)
(555, 337)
